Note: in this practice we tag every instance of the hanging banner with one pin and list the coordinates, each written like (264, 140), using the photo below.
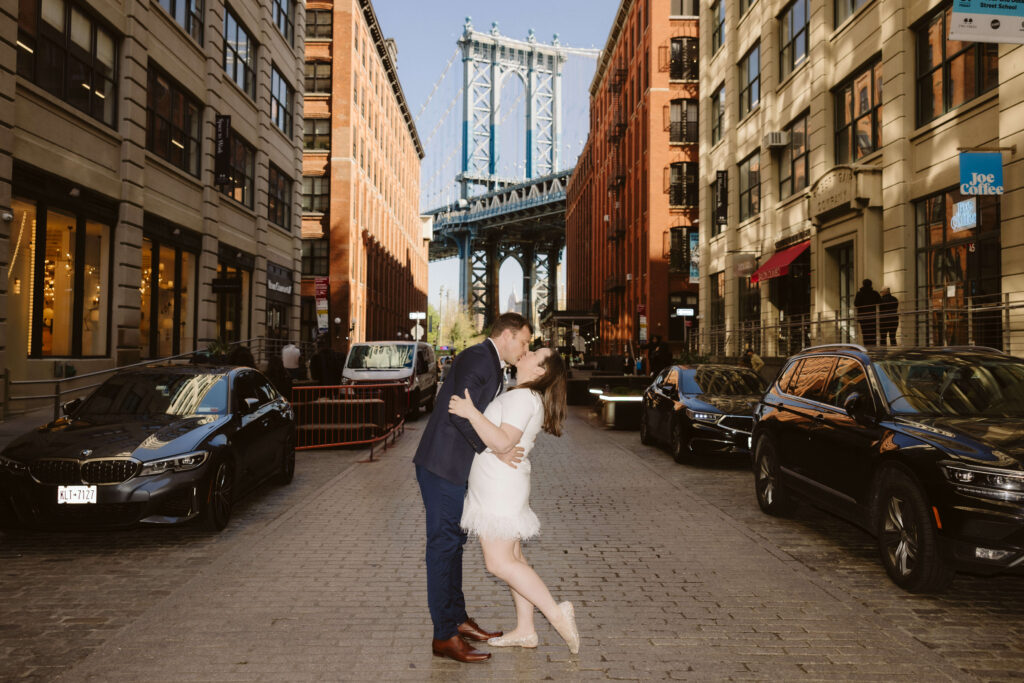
(694, 256)
(721, 197)
(988, 21)
(322, 311)
(981, 173)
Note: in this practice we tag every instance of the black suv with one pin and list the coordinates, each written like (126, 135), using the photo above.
(924, 448)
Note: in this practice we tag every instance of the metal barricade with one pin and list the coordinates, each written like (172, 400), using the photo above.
(349, 415)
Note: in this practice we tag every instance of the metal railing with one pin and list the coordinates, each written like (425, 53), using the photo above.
(61, 389)
(994, 323)
(349, 415)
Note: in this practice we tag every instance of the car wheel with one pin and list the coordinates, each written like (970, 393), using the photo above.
(771, 495)
(907, 539)
(287, 471)
(645, 429)
(680, 443)
(217, 507)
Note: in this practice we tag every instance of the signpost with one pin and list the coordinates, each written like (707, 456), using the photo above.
(417, 330)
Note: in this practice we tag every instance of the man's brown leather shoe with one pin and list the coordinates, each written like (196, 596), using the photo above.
(469, 629)
(459, 650)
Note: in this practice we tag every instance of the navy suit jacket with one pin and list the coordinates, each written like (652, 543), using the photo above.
(449, 442)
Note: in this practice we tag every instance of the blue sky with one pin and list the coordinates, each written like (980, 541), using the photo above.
(426, 34)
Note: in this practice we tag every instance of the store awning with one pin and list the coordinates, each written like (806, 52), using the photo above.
(779, 263)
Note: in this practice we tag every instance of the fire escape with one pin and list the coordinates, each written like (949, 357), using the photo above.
(615, 282)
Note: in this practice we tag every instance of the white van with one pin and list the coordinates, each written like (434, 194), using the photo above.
(393, 361)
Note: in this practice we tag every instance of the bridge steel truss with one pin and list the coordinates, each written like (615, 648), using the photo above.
(525, 222)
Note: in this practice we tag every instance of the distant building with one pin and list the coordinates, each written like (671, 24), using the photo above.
(632, 201)
(361, 228)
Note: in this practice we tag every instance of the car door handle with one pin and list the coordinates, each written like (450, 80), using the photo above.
(819, 418)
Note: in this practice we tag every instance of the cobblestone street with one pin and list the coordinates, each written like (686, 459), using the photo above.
(674, 571)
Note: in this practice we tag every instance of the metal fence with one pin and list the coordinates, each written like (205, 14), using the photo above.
(997, 324)
(349, 415)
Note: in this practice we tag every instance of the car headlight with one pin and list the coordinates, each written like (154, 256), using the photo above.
(13, 465)
(703, 416)
(178, 463)
(989, 482)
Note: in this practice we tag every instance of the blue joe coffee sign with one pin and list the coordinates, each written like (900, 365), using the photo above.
(981, 173)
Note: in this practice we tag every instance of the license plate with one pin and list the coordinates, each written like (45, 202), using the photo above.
(76, 495)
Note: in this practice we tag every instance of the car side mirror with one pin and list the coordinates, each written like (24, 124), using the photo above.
(71, 406)
(251, 404)
(858, 406)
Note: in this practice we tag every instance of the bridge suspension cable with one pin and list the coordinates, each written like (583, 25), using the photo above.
(433, 91)
(444, 117)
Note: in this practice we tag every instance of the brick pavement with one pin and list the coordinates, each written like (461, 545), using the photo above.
(674, 572)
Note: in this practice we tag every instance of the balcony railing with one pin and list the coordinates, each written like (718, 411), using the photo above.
(683, 131)
(682, 196)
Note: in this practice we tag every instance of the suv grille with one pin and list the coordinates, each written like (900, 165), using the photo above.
(740, 423)
(71, 472)
(62, 472)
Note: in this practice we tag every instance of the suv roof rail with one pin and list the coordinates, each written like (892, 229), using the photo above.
(972, 348)
(838, 345)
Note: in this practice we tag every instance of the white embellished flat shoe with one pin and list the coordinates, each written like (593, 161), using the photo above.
(504, 641)
(572, 635)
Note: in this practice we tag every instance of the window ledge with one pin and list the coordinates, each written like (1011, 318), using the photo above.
(792, 199)
(682, 143)
(849, 21)
(318, 39)
(235, 204)
(98, 127)
(683, 16)
(313, 214)
(153, 157)
(750, 220)
(178, 28)
(317, 152)
(979, 101)
(783, 84)
(753, 110)
(684, 80)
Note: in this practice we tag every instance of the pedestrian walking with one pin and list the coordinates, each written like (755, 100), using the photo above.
(866, 302)
(291, 357)
(497, 508)
(443, 460)
(751, 360)
(888, 317)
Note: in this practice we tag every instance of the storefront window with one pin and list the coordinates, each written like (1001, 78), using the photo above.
(94, 265)
(232, 303)
(58, 284)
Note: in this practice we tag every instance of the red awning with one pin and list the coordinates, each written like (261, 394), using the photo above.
(778, 264)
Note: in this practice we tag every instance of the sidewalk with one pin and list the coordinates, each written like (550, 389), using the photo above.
(665, 585)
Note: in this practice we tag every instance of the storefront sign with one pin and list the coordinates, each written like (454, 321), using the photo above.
(965, 215)
(988, 21)
(834, 190)
(684, 312)
(694, 256)
(981, 173)
(280, 289)
(322, 311)
(222, 149)
(721, 197)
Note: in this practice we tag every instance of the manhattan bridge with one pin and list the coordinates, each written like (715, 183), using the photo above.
(504, 197)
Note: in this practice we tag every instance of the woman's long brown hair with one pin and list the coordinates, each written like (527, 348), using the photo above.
(551, 387)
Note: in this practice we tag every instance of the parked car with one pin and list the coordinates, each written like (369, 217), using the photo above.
(701, 410)
(157, 445)
(923, 448)
(411, 363)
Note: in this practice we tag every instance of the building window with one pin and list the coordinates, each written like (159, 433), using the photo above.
(318, 23)
(64, 51)
(233, 302)
(59, 275)
(315, 255)
(683, 121)
(315, 194)
(317, 134)
(242, 162)
(750, 80)
(318, 77)
(284, 19)
(239, 54)
(678, 258)
(793, 167)
(281, 100)
(844, 9)
(173, 122)
(958, 270)
(716, 302)
(858, 104)
(717, 114)
(718, 222)
(188, 14)
(683, 59)
(682, 187)
(717, 25)
(745, 5)
(750, 186)
(685, 8)
(793, 37)
(950, 72)
(166, 299)
(749, 314)
(279, 198)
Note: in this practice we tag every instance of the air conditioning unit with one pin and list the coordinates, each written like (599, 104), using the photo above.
(776, 138)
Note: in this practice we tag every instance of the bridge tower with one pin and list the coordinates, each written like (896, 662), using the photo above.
(487, 59)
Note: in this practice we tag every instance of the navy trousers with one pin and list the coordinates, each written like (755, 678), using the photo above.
(443, 502)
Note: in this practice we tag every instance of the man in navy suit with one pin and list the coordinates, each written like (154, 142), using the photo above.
(443, 459)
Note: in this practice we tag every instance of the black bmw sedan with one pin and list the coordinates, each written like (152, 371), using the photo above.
(160, 445)
(701, 410)
(924, 448)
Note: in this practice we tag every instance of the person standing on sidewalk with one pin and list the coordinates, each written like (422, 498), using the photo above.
(866, 302)
(443, 460)
(497, 506)
(888, 317)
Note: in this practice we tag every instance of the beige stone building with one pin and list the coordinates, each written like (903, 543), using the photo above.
(125, 233)
(830, 138)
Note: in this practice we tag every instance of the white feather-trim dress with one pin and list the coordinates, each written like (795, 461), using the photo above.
(498, 496)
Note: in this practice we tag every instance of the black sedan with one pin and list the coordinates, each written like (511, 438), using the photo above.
(156, 445)
(701, 410)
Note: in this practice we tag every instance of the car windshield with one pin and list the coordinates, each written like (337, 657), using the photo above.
(954, 386)
(728, 381)
(381, 356)
(152, 393)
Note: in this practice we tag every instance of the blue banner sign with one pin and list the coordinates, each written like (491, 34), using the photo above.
(694, 256)
(981, 173)
(988, 21)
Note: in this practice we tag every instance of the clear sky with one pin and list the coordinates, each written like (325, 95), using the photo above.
(426, 34)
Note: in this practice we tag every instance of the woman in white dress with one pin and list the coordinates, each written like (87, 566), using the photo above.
(497, 508)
